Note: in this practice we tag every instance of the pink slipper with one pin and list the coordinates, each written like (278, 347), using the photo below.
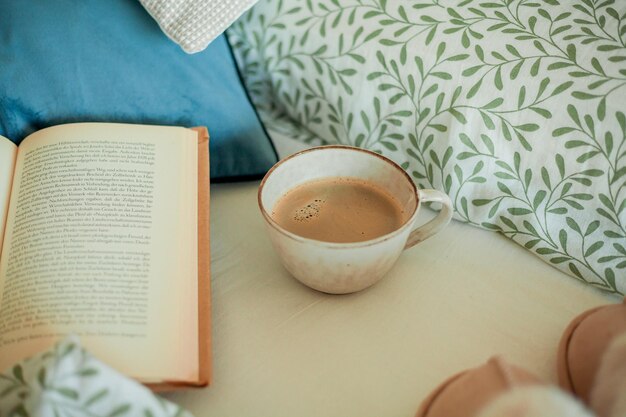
(466, 393)
(583, 344)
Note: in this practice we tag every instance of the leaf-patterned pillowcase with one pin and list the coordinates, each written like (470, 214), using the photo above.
(515, 108)
(68, 381)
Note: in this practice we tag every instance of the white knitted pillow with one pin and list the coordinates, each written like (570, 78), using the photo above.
(193, 24)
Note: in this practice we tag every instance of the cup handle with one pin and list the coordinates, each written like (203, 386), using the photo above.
(434, 226)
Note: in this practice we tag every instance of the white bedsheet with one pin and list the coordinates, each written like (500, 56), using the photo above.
(282, 349)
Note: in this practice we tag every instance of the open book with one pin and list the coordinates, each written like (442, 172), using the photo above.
(104, 233)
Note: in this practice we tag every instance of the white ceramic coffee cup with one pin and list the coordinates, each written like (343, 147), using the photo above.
(340, 268)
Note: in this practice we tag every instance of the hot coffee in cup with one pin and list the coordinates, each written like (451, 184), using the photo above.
(339, 217)
(339, 209)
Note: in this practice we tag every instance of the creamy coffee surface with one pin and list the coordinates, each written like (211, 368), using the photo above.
(339, 209)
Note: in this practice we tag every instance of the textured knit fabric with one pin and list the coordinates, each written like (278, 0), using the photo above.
(193, 24)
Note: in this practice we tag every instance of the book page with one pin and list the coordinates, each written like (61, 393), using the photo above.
(101, 241)
(8, 153)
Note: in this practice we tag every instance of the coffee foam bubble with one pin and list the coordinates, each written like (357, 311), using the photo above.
(308, 212)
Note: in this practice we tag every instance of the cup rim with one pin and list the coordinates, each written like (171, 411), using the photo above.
(270, 221)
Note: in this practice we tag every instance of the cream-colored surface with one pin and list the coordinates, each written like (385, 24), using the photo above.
(282, 349)
(172, 308)
(8, 152)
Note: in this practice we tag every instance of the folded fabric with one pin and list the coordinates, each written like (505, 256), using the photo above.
(193, 24)
(68, 381)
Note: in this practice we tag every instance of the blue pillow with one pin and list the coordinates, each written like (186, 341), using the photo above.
(85, 60)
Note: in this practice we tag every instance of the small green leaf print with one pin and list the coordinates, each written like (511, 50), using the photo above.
(593, 226)
(68, 393)
(594, 248)
(68, 349)
(88, 372)
(584, 96)
(610, 277)
(120, 410)
(573, 225)
(562, 131)
(519, 211)
(18, 373)
(471, 71)
(41, 377)
(97, 396)
(389, 145)
(602, 109)
(494, 103)
(528, 127)
(539, 197)
(563, 239)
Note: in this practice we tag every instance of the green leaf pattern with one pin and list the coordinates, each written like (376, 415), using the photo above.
(515, 108)
(66, 381)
